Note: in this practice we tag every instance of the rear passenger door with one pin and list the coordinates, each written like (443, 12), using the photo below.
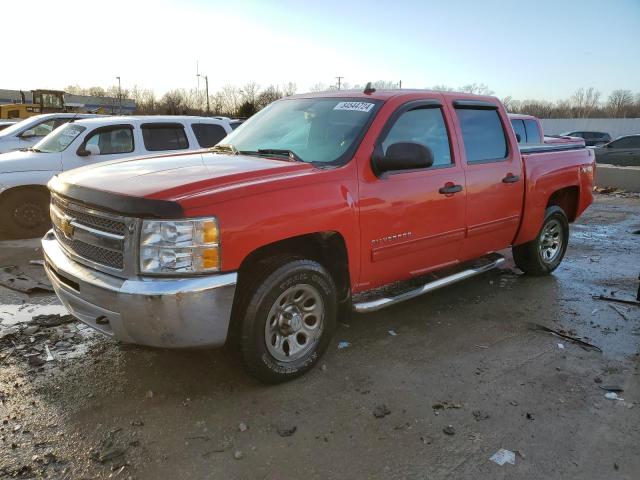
(494, 177)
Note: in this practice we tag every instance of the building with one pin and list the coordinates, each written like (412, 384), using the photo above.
(79, 103)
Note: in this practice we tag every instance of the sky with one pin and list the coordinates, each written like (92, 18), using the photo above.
(543, 49)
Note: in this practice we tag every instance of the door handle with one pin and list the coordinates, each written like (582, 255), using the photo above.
(511, 178)
(450, 189)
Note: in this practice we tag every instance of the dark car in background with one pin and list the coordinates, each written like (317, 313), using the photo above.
(591, 139)
(623, 151)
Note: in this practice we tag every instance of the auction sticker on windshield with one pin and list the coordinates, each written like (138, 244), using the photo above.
(354, 106)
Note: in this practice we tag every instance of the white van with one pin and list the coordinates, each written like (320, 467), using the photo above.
(24, 198)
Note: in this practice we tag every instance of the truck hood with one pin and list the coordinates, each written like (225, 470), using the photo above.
(172, 177)
(30, 161)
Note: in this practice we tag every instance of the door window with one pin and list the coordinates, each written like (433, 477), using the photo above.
(627, 142)
(208, 134)
(518, 127)
(424, 126)
(164, 136)
(533, 132)
(483, 135)
(113, 140)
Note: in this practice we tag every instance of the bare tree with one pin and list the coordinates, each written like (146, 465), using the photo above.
(585, 101)
(477, 88)
(620, 103)
(442, 88)
(289, 89)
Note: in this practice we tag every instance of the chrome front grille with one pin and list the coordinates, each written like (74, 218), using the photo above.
(93, 237)
(100, 223)
(100, 255)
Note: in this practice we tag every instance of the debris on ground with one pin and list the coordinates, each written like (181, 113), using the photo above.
(618, 311)
(612, 388)
(286, 431)
(530, 416)
(242, 427)
(52, 320)
(14, 279)
(50, 357)
(238, 455)
(503, 456)
(559, 333)
(342, 345)
(618, 300)
(612, 396)
(445, 405)
(561, 346)
(381, 411)
(392, 333)
(449, 430)
(37, 262)
(480, 415)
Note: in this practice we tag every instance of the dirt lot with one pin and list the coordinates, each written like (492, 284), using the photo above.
(465, 357)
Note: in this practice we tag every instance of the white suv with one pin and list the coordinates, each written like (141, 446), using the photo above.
(24, 198)
(28, 132)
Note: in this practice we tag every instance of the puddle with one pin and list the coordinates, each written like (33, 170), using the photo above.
(14, 314)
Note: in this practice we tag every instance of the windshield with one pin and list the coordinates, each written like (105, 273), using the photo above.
(17, 127)
(59, 139)
(323, 130)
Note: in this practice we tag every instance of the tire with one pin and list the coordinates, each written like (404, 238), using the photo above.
(24, 213)
(544, 254)
(288, 319)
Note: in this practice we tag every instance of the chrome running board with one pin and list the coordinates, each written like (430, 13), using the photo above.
(386, 301)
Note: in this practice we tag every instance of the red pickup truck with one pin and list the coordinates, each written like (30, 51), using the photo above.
(318, 205)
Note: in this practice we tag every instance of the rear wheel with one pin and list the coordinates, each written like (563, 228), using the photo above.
(544, 254)
(288, 321)
(24, 213)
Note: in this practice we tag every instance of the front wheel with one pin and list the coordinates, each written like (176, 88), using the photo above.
(543, 255)
(24, 213)
(288, 321)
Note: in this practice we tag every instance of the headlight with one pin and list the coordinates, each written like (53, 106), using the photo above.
(180, 246)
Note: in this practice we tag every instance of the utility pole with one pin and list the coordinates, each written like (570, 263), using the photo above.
(400, 85)
(119, 97)
(206, 84)
(339, 82)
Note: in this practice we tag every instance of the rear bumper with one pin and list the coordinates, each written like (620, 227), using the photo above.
(170, 313)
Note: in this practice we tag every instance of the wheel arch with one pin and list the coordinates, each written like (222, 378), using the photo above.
(568, 199)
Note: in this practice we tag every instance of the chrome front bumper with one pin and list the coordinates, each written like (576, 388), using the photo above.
(158, 312)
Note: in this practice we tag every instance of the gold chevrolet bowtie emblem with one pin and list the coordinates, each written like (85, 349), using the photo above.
(67, 227)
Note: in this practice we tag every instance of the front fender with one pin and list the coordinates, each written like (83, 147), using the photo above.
(24, 179)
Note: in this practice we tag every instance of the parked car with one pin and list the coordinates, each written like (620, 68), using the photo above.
(24, 199)
(28, 132)
(7, 123)
(591, 139)
(318, 204)
(623, 151)
(529, 130)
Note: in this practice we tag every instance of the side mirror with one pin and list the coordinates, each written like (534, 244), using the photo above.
(402, 156)
(28, 133)
(87, 150)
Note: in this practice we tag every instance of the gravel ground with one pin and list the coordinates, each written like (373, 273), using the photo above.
(428, 389)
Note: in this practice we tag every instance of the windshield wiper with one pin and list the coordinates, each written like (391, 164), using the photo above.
(280, 151)
(31, 149)
(224, 148)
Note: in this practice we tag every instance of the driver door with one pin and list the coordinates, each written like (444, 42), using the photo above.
(101, 145)
(413, 221)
